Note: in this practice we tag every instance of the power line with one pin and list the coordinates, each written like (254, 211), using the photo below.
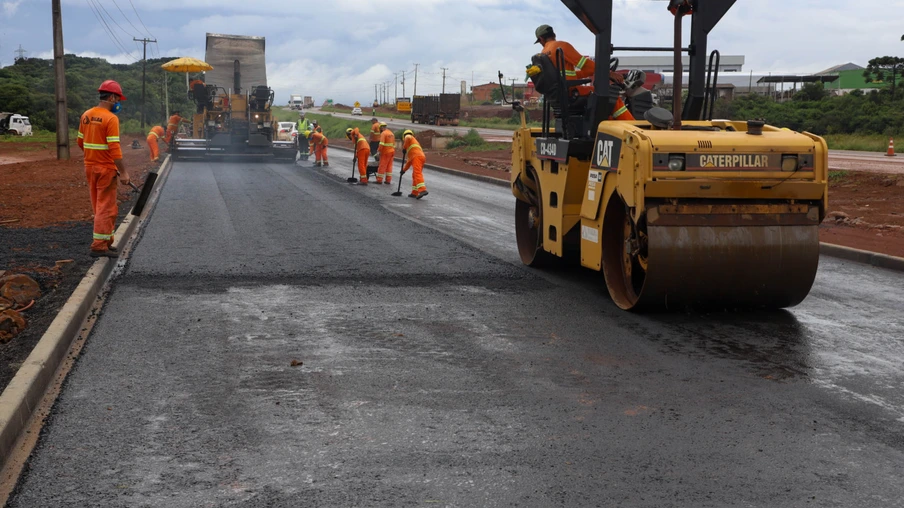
(139, 19)
(110, 33)
(129, 21)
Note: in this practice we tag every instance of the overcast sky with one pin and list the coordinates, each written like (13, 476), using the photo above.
(340, 48)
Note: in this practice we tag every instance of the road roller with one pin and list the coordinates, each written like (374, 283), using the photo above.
(677, 209)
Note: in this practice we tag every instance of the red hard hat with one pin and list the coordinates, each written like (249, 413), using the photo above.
(111, 86)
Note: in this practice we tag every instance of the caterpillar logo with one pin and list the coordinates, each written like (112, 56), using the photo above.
(606, 151)
(734, 161)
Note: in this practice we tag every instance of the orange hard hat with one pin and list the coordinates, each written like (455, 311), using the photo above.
(111, 86)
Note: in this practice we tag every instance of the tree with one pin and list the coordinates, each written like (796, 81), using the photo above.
(811, 92)
(880, 67)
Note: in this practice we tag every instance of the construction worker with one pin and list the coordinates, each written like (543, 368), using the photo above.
(319, 143)
(304, 126)
(153, 137)
(362, 152)
(578, 66)
(414, 158)
(98, 137)
(374, 136)
(387, 152)
(172, 126)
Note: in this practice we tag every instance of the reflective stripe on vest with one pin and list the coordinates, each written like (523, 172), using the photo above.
(155, 134)
(98, 236)
(581, 63)
(570, 74)
(363, 142)
(388, 145)
(621, 111)
(95, 146)
(81, 136)
(112, 139)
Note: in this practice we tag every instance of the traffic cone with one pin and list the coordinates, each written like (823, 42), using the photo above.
(891, 148)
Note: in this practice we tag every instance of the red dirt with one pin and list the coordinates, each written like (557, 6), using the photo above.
(38, 191)
(866, 211)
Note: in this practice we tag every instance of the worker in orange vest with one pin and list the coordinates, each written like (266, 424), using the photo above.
(172, 126)
(414, 158)
(319, 143)
(362, 152)
(154, 136)
(578, 66)
(387, 152)
(374, 136)
(98, 137)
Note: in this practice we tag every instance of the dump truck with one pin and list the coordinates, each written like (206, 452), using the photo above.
(442, 109)
(233, 117)
(675, 208)
(308, 102)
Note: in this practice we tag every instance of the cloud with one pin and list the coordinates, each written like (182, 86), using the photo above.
(10, 8)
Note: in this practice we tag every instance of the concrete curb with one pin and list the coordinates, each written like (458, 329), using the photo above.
(862, 256)
(25, 391)
(464, 174)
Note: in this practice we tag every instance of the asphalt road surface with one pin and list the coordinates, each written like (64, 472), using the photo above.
(436, 370)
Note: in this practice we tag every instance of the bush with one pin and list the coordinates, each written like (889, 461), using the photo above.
(472, 140)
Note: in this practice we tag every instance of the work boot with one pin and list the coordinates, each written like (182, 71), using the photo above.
(104, 254)
(386, 182)
(422, 194)
(326, 163)
(112, 249)
(362, 182)
(412, 195)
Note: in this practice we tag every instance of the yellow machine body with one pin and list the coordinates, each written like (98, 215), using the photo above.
(732, 222)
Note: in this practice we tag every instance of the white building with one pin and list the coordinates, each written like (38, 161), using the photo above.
(665, 63)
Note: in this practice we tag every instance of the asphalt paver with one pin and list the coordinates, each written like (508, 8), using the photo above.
(282, 338)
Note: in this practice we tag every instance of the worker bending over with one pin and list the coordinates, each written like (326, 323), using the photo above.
(362, 152)
(319, 143)
(415, 159)
(578, 66)
(98, 137)
(387, 152)
(153, 137)
(172, 126)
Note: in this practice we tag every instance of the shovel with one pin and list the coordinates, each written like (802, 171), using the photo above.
(354, 165)
(401, 174)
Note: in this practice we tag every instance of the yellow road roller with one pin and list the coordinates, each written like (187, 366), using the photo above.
(677, 209)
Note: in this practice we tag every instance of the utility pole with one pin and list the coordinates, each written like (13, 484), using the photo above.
(415, 80)
(144, 65)
(444, 78)
(376, 95)
(166, 93)
(513, 90)
(396, 86)
(59, 71)
(403, 83)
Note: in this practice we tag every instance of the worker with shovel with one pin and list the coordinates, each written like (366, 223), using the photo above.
(362, 152)
(416, 160)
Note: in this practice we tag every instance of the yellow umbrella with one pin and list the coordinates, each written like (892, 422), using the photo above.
(187, 64)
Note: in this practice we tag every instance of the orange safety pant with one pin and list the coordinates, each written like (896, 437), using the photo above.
(387, 156)
(416, 164)
(152, 146)
(320, 153)
(170, 132)
(363, 154)
(102, 181)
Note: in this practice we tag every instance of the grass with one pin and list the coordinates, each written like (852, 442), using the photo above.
(837, 176)
(38, 137)
(471, 141)
(858, 142)
(333, 127)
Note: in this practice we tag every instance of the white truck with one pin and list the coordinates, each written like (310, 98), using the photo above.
(15, 125)
(296, 101)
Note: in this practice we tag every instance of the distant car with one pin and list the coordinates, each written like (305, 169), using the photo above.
(356, 111)
(16, 125)
(287, 131)
(498, 103)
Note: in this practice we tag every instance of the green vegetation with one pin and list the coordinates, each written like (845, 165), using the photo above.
(471, 140)
(868, 116)
(333, 127)
(27, 88)
(39, 136)
(837, 176)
